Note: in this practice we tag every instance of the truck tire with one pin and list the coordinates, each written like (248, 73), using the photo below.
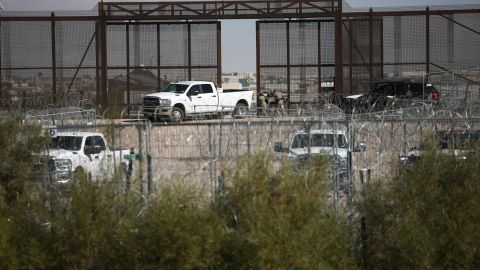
(240, 110)
(177, 115)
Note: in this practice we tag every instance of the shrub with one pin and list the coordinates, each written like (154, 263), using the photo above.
(426, 218)
(282, 220)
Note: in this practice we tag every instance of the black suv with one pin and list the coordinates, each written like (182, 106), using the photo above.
(390, 94)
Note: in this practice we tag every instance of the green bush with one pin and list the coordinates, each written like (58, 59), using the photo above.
(17, 143)
(263, 215)
(282, 220)
(425, 218)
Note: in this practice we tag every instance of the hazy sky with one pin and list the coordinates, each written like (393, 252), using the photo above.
(238, 36)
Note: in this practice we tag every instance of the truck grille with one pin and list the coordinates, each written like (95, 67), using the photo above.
(150, 102)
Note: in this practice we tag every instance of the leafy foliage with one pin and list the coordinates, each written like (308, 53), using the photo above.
(17, 143)
(283, 220)
(426, 217)
(263, 215)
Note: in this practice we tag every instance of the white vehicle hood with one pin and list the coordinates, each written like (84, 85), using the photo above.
(317, 150)
(354, 96)
(60, 153)
(163, 95)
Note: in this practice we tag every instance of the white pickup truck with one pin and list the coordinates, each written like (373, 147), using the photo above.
(180, 100)
(81, 152)
(327, 142)
(318, 141)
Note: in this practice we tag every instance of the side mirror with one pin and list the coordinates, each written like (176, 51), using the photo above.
(277, 147)
(361, 147)
(194, 92)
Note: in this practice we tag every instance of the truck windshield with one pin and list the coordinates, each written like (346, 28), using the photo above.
(67, 142)
(319, 140)
(175, 88)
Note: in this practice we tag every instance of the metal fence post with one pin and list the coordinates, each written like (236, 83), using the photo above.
(248, 139)
(54, 58)
(335, 169)
(427, 40)
(140, 153)
(211, 152)
(148, 128)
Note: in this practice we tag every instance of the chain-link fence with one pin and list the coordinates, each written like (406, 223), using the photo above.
(201, 152)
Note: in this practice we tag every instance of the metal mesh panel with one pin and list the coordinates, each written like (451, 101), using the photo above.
(116, 46)
(466, 42)
(143, 45)
(31, 81)
(273, 78)
(273, 43)
(328, 74)
(171, 75)
(204, 44)
(359, 42)
(174, 45)
(117, 86)
(303, 84)
(404, 71)
(377, 33)
(204, 74)
(327, 46)
(303, 43)
(412, 45)
(84, 82)
(389, 39)
(72, 42)
(26, 44)
(360, 79)
(404, 46)
(362, 53)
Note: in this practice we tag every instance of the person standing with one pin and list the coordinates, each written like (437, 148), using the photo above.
(280, 100)
(262, 99)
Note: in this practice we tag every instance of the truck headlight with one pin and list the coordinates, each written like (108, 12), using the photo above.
(164, 102)
(63, 165)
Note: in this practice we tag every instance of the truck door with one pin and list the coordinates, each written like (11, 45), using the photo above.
(196, 99)
(100, 159)
(210, 98)
(205, 101)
